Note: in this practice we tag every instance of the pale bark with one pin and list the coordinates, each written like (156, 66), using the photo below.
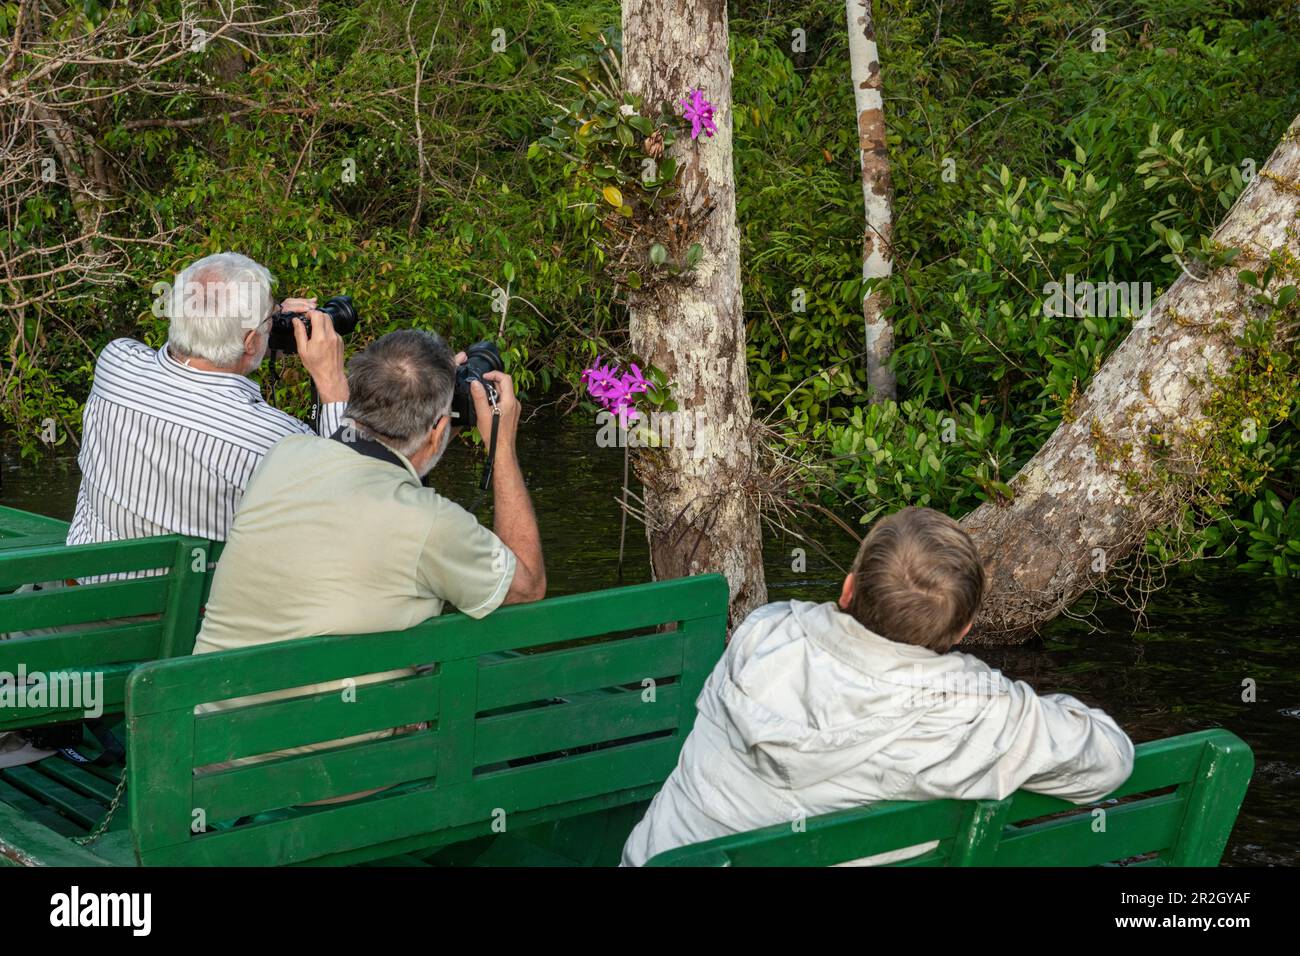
(700, 513)
(1072, 507)
(877, 195)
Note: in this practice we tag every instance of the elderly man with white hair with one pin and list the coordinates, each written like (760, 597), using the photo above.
(171, 437)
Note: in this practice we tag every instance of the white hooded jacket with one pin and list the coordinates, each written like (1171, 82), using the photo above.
(809, 712)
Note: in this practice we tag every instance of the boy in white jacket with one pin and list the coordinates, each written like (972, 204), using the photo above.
(821, 707)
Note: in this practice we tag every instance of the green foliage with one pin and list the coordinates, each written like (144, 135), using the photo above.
(1021, 154)
(322, 181)
(1021, 158)
(892, 455)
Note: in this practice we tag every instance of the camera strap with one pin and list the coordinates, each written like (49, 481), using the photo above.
(486, 480)
(366, 446)
(492, 442)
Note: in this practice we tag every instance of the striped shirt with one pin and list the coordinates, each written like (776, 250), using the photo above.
(169, 449)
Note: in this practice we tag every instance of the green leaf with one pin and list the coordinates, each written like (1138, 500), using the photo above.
(658, 254)
(693, 255)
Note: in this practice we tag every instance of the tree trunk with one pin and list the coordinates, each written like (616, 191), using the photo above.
(700, 513)
(1088, 498)
(877, 196)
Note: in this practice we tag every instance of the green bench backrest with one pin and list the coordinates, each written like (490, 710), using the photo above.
(93, 644)
(1203, 775)
(514, 738)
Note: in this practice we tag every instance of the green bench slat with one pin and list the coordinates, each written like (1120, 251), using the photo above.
(77, 778)
(36, 811)
(560, 727)
(82, 604)
(303, 778)
(105, 645)
(533, 677)
(277, 725)
(77, 807)
(832, 838)
(58, 562)
(1132, 829)
(111, 700)
(1160, 766)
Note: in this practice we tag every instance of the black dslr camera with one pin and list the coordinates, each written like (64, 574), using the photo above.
(339, 308)
(480, 358)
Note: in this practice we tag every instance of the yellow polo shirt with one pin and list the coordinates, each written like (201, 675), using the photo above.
(330, 541)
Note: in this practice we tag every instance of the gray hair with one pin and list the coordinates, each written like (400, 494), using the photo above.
(400, 386)
(213, 304)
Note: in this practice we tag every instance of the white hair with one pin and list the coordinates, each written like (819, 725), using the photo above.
(214, 303)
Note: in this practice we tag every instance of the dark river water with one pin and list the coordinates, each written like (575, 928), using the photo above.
(1204, 634)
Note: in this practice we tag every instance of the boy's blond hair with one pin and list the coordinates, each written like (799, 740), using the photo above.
(917, 579)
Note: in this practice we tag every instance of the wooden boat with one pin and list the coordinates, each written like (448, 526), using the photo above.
(546, 729)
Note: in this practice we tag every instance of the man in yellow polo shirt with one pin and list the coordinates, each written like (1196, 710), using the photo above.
(377, 551)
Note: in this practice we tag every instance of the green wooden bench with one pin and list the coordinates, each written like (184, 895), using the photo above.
(22, 529)
(548, 723)
(1176, 809)
(95, 643)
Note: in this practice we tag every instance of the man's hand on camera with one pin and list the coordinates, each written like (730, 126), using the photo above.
(297, 305)
(508, 405)
(322, 353)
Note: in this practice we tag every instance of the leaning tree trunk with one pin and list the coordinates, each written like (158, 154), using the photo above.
(877, 196)
(1122, 462)
(700, 512)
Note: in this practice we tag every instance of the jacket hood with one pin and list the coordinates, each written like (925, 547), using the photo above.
(806, 693)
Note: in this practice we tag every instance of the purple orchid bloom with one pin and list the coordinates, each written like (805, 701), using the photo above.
(634, 381)
(614, 391)
(602, 381)
(615, 395)
(700, 112)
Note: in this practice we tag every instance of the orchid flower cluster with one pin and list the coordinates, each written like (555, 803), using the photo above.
(615, 390)
(700, 113)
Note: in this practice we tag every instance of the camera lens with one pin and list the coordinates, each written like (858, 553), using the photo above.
(344, 314)
(340, 310)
